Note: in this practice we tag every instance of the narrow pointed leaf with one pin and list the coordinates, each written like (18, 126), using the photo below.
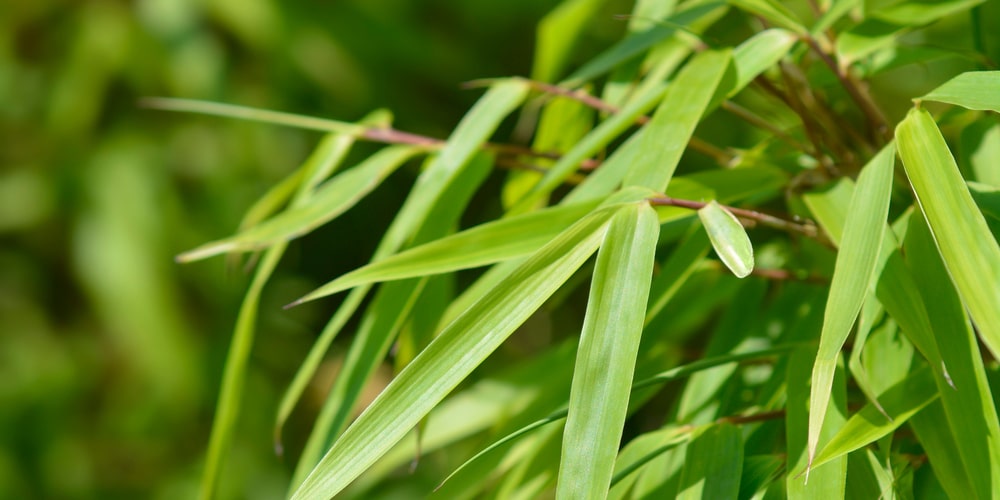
(960, 231)
(557, 33)
(669, 130)
(605, 361)
(238, 358)
(757, 54)
(772, 11)
(329, 201)
(868, 424)
(443, 172)
(852, 275)
(729, 238)
(972, 90)
(484, 244)
(637, 43)
(460, 347)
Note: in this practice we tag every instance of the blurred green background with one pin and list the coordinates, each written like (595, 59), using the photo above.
(110, 353)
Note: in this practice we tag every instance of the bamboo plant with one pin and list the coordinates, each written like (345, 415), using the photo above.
(755, 279)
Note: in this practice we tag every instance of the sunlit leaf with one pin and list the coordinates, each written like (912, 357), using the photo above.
(462, 346)
(713, 465)
(329, 201)
(973, 90)
(868, 424)
(853, 274)
(606, 358)
(729, 238)
(666, 135)
(960, 231)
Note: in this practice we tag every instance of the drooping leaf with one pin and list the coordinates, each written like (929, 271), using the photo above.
(729, 238)
(852, 275)
(967, 246)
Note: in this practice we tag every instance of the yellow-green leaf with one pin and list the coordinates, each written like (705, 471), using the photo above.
(729, 238)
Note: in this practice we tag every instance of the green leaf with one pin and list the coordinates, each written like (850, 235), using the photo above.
(597, 139)
(668, 132)
(450, 167)
(238, 358)
(852, 276)
(557, 33)
(605, 360)
(966, 394)
(829, 480)
(837, 10)
(773, 12)
(635, 44)
(868, 425)
(327, 203)
(729, 238)
(972, 90)
(713, 465)
(962, 236)
(757, 54)
(384, 318)
(481, 245)
(933, 430)
(460, 347)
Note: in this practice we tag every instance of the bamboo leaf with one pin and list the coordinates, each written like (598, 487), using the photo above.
(729, 238)
(868, 425)
(605, 360)
(966, 394)
(460, 347)
(852, 275)
(238, 358)
(484, 244)
(757, 54)
(383, 319)
(669, 130)
(827, 481)
(713, 465)
(452, 167)
(329, 201)
(774, 12)
(962, 236)
(635, 44)
(556, 35)
(972, 90)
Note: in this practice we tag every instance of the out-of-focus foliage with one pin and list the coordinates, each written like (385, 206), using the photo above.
(110, 353)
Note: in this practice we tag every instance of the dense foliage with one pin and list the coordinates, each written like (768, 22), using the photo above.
(748, 250)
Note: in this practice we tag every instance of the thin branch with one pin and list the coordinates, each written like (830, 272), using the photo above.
(755, 120)
(751, 418)
(873, 114)
(717, 154)
(386, 135)
(808, 229)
